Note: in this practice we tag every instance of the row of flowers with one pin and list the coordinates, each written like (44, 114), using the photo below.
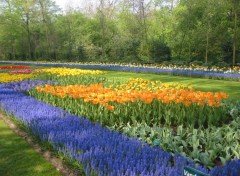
(225, 69)
(191, 70)
(138, 100)
(14, 67)
(19, 75)
(6, 77)
(99, 150)
(97, 94)
(22, 71)
(26, 85)
(70, 71)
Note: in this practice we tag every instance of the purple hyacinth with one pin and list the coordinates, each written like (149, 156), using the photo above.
(26, 85)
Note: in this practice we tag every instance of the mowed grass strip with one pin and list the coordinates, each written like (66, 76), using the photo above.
(202, 84)
(18, 158)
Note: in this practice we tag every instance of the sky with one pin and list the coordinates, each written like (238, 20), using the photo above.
(64, 4)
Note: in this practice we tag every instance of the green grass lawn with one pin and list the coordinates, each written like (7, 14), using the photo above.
(17, 158)
(203, 84)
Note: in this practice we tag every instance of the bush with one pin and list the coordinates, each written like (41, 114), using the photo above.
(159, 51)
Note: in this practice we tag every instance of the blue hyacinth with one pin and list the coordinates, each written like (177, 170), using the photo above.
(26, 85)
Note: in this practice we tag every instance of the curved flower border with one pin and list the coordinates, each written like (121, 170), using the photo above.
(190, 71)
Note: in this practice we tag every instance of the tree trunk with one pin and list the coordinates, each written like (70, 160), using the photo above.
(207, 44)
(46, 27)
(29, 37)
(181, 46)
(235, 38)
(12, 37)
(102, 24)
(172, 3)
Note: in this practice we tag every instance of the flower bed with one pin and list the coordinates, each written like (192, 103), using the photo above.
(229, 73)
(6, 77)
(207, 146)
(21, 71)
(99, 150)
(14, 67)
(151, 103)
(202, 126)
(27, 85)
(11, 73)
(70, 71)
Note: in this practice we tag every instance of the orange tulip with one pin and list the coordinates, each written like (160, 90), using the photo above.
(110, 108)
(138, 89)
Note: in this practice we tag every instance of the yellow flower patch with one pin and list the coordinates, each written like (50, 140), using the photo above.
(70, 71)
(5, 77)
(142, 84)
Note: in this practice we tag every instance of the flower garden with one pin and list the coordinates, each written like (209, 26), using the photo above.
(212, 72)
(133, 127)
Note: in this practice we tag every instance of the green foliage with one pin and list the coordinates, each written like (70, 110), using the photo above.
(203, 84)
(160, 51)
(203, 31)
(71, 80)
(209, 146)
(157, 112)
(171, 114)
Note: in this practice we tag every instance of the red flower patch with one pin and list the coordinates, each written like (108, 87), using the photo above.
(13, 67)
(23, 71)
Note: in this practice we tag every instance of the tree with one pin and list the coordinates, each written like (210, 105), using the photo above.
(47, 10)
(10, 30)
(235, 10)
(121, 30)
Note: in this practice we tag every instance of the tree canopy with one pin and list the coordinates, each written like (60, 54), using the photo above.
(205, 31)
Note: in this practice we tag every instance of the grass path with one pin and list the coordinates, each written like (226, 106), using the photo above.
(17, 157)
(203, 84)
